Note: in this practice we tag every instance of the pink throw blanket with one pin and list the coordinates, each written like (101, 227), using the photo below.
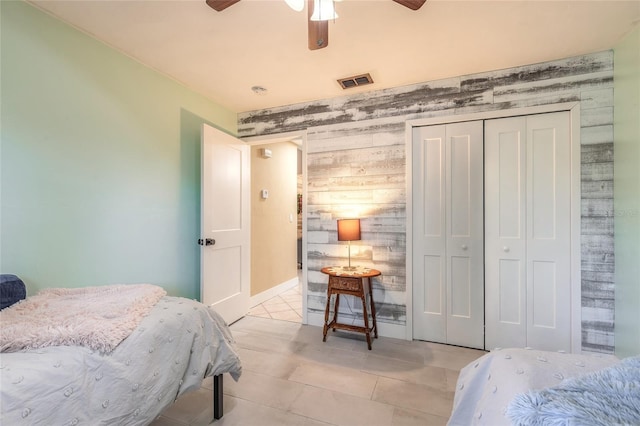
(96, 317)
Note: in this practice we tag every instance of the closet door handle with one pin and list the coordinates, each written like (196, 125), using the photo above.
(464, 247)
(505, 249)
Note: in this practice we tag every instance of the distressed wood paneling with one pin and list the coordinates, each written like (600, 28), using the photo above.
(597, 264)
(597, 225)
(554, 98)
(353, 183)
(598, 290)
(597, 98)
(596, 207)
(597, 153)
(381, 132)
(597, 172)
(598, 190)
(356, 163)
(587, 64)
(597, 134)
(596, 116)
(558, 86)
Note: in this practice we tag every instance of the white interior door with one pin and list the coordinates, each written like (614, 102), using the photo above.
(448, 302)
(528, 231)
(465, 239)
(225, 254)
(505, 232)
(430, 235)
(549, 231)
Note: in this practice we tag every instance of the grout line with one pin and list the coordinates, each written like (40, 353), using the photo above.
(281, 300)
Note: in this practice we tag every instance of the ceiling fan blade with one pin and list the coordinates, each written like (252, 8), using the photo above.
(221, 5)
(318, 30)
(411, 4)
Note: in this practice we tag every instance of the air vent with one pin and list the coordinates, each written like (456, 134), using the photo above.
(355, 81)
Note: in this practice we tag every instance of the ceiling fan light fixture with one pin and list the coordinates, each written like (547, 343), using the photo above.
(296, 5)
(323, 10)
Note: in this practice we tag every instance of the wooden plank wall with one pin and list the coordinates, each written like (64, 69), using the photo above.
(357, 165)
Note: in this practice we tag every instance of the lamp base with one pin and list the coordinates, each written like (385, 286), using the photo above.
(349, 268)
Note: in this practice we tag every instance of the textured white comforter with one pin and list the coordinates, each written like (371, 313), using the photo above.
(178, 344)
(486, 386)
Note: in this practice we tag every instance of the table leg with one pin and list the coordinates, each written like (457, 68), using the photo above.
(373, 309)
(326, 316)
(336, 306)
(365, 314)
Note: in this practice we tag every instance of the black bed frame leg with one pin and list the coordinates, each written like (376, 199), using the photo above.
(217, 397)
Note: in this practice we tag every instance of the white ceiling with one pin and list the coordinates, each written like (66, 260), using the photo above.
(263, 42)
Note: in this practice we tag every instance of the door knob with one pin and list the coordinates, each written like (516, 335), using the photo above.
(464, 247)
(206, 242)
(505, 249)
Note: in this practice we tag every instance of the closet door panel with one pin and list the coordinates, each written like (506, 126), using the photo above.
(548, 231)
(461, 288)
(433, 298)
(465, 248)
(505, 196)
(429, 234)
(543, 290)
(510, 272)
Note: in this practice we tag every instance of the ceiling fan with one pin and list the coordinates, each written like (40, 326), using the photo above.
(318, 29)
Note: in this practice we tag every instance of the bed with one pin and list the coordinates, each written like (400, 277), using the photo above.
(532, 387)
(79, 378)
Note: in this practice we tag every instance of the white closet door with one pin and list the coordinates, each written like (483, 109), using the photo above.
(549, 231)
(448, 302)
(429, 234)
(505, 232)
(527, 231)
(465, 245)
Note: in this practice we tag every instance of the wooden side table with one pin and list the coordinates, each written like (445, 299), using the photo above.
(355, 283)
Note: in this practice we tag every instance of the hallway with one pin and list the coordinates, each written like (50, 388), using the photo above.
(286, 306)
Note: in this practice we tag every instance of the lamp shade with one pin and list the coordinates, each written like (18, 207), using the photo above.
(348, 229)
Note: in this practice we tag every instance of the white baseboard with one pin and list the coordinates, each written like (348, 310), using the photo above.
(395, 331)
(272, 292)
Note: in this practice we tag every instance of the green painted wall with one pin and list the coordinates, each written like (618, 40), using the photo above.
(100, 162)
(627, 193)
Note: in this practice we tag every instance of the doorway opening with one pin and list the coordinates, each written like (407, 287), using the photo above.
(277, 234)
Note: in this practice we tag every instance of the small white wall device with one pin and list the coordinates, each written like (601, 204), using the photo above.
(264, 194)
(265, 153)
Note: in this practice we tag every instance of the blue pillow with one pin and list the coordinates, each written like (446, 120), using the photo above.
(12, 290)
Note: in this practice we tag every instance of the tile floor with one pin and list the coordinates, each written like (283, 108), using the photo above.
(287, 306)
(290, 377)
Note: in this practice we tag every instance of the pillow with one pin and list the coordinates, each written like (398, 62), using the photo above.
(12, 290)
(605, 397)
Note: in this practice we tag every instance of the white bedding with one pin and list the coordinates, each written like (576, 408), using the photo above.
(486, 386)
(178, 344)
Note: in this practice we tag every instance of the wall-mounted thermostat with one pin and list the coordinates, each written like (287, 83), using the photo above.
(264, 194)
(265, 153)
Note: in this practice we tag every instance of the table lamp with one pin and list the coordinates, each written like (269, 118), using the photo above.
(349, 230)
